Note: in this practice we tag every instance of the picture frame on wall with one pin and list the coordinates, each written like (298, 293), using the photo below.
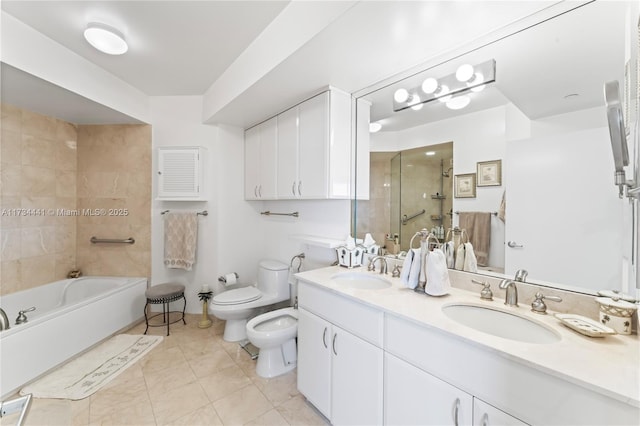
(489, 173)
(464, 185)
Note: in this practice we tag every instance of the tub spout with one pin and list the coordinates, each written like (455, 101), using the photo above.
(4, 321)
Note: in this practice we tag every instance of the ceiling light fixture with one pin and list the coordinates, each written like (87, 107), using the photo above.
(374, 127)
(105, 38)
(458, 102)
(466, 78)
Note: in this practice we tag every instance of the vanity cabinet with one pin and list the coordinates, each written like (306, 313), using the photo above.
(415, 397)
(487, 415)
(314, 148)
(260, 151)
(339, 371)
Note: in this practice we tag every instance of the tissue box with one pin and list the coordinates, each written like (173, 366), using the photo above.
(350, 258)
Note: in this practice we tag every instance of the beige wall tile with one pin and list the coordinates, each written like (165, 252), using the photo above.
(38, 270)
(11, 179)
(10, 147)
(11, 118)
(38, 152)
(38, 125)
(38, 182)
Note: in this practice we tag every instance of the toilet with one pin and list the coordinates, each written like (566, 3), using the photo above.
(238, 305)
(274, 333)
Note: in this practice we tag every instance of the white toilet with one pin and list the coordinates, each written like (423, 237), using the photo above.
(238, 305)
(274, 333)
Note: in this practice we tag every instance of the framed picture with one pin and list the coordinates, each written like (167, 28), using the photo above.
(465, 185)
(490, 173)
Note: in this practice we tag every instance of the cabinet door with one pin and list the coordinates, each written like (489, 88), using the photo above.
(314, 360)
(313, 133)
(488, 415)
(268, 159)
(251, 163)
(356, 389)
(288, 154)
(180, 173)
(415, 397)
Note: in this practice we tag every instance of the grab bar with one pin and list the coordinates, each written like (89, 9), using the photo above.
(95, 240)
(268, 213)
(406, 219)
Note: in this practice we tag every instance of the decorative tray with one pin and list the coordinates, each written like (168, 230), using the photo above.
(585, 325)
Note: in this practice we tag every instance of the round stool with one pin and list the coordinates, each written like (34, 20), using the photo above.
(164, 294)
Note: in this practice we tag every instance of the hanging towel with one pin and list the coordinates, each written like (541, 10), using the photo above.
(478, 226)
(406, 268)
(470, 262)
(438, 283)
(180, 240)
(449, 254)
(414, 272)
(459, 262)
(502, 210)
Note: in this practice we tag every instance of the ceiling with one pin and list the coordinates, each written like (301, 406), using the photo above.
(184, 47)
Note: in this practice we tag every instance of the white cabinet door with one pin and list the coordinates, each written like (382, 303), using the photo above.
(288, 154)
(260, 145)
(313, 143)
(314, 360)
(488, 415)
(356, 389)
(414, 397)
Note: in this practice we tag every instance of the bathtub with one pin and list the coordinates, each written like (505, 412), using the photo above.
(71, 316)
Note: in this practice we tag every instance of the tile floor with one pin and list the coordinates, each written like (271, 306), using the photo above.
(194, 378)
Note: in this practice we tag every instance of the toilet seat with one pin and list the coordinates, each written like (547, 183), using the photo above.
(237, 296)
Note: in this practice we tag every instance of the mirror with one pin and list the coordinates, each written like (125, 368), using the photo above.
(543, 122)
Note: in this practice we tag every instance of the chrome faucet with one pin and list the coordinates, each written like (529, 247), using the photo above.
(521, 275)
(383, 264)
(4, 321)
(511, 296)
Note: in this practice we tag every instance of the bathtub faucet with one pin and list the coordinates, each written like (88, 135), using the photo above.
(22, 318)
(4, 321)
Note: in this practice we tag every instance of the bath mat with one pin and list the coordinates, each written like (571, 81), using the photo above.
(86, 374)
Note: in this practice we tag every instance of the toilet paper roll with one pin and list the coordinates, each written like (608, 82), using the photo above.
(230, 278)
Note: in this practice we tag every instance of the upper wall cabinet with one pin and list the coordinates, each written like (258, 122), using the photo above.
(181, 173)
(313, 151)
(260, 150)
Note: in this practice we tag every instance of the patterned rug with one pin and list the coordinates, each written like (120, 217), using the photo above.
(86, 374)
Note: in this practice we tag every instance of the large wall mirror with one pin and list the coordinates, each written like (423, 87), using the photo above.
(534, 143)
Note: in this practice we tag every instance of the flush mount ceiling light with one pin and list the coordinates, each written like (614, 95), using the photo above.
(458, 102)
(374, 127)
(466, 78)
(105, 38)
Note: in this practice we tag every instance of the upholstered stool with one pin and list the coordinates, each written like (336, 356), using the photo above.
(164, 294)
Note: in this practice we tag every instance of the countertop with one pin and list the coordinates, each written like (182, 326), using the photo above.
(608, 365)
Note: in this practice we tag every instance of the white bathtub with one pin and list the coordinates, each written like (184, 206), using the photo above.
(70, 317)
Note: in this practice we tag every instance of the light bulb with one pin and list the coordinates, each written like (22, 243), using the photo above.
(464, 72)
(374, 127)
(442, 94)
(401, 95)
(458, 102)
(478, 79)
(429, 85)
(416, 105)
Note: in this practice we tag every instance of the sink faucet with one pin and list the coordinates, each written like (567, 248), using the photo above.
(511, 296)
(4, 321)
(521, 275)
(383, 264)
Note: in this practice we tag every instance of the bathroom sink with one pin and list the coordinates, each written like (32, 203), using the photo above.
(361, 280)
(501, 323)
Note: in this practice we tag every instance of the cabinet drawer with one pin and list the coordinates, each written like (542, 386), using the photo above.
(361, 320)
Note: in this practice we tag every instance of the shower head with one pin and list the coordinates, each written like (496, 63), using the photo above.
(446, 173)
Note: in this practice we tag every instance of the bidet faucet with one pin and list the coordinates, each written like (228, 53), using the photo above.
(383, 264)
(511, 296)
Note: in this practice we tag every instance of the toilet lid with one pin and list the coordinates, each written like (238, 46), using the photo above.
(238, 295)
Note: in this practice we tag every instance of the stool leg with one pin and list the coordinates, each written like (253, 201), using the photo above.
(146, 320)
(166, 304)
(184, 308)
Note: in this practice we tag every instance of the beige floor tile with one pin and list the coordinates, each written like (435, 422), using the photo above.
(270, 418)
(124, 397)
(278, 389)
(209, 363)
(297, 411)
(178, 402)
(162, 381)
(139, 414)
(223, 383)
(202, 345)
(49, 412)
(162, 358)
(204, 416)
(242, 406)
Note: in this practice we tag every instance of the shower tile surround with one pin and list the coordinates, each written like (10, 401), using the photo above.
(53, 166)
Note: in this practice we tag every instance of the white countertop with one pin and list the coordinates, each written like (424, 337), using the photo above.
(608, 365)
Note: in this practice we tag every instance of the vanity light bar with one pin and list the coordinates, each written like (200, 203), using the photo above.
(447, 86)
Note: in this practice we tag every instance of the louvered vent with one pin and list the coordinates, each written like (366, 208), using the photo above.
(179, 173)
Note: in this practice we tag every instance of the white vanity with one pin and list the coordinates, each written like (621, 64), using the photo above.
(392, 356)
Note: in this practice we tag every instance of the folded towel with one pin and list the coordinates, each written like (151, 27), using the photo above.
(449, 254)
(413, 269)
(180, 240)
(459, 264)
(406, 268)
(438, 283)
(470, 262)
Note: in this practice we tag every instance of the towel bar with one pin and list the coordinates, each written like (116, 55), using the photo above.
(95, 240)
(492, 213)
(268, 213)
(202, 213)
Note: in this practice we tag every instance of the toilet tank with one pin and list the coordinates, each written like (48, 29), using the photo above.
(272, 278)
